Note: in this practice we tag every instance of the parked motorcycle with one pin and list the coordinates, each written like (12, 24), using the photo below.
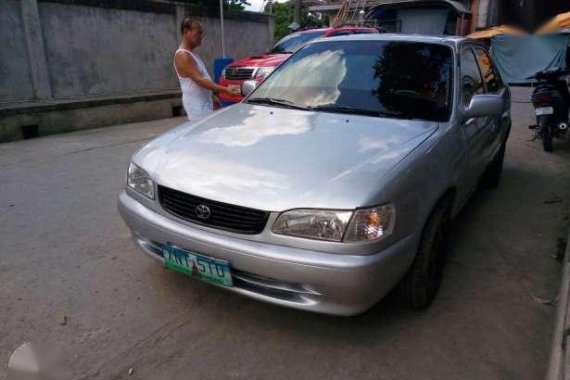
(551, 101)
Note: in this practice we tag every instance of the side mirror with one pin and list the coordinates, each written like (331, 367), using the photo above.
(247, 87)
(482, 105)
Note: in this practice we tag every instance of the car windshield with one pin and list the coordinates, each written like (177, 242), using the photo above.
(294, 42)
(409, 80)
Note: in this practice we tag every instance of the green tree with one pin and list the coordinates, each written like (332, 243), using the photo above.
(283, 13)
(237, 5)
(214, 5)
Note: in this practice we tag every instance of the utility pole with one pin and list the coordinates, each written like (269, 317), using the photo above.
(297, 12)
(222, 27)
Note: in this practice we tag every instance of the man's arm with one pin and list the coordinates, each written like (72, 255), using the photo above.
(187, 67)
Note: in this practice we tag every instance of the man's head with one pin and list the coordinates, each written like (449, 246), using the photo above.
(191, 32)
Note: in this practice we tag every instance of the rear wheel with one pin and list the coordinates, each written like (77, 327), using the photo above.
(546, 138)
(420, 285)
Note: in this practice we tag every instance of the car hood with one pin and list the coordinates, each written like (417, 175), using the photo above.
(261, 60)
(277, 159)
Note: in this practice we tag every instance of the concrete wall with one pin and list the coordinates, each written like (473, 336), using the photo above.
(243, 38)
(73, 64)
(488, 13)
(62, 119)
(15, 78)
(62, 49)
(97, 51)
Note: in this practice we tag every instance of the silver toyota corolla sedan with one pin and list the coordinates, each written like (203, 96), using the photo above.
(334, 182)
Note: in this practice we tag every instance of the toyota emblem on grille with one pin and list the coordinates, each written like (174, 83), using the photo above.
(203, 211)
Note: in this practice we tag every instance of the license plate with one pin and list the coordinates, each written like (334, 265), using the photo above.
(544, 111)
(205, 268)
(236, 88)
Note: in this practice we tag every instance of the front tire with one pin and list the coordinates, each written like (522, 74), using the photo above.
(420, 285)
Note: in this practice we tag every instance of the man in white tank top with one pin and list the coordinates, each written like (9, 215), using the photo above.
(196, 84)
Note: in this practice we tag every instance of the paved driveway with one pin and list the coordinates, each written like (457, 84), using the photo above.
(65, 251)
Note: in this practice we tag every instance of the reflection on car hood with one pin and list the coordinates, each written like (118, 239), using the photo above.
(275, 159)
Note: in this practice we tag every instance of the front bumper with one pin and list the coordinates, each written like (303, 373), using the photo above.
(308, 280)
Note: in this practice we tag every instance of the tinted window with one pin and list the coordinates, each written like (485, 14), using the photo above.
(363, 31)
(471, 82)
(340, 33)
(490, 77)
(294, 42)
(378, 78)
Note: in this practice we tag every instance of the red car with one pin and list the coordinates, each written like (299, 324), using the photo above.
(260, 66)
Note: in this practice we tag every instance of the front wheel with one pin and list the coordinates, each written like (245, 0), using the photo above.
(546, 138)
(420, 285)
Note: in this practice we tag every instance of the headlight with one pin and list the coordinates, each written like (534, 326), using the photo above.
(371, 224)
(139, 181)
(263, 72)
(361, 225)
(314, 224)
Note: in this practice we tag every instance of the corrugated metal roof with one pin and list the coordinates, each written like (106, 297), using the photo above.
(458, 5)
(324, 8)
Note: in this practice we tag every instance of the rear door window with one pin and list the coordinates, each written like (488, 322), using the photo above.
(492, 80)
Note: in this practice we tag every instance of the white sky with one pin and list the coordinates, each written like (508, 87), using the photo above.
(256, 5)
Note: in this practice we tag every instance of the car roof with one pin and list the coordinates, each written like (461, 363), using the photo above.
(330, 28)
(453, 40)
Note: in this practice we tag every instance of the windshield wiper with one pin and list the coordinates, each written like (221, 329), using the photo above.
(358, 111)
(346, 109)
(276, 102)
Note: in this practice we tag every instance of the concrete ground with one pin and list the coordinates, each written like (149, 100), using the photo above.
(64, 251)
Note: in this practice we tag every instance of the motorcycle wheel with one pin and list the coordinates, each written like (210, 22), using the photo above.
(547, 138)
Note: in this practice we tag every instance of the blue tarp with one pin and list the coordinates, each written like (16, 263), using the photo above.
(519, 57)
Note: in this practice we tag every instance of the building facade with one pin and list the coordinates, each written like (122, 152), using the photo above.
(437, 17)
